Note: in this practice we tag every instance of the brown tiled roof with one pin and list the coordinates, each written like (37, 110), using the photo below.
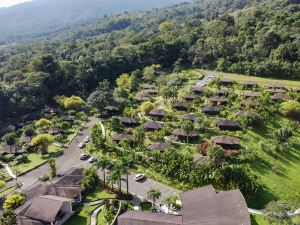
(148, 218)
(27, 221)
(205, 206)
(66, 118)
(159, 146)
(153, 125)
(69, 180)
(158, 112)
(249, 83)
(226, 80)
(121, 137)
(275, 86)
(45, 208)
(228, 123)
(10, 149)
(225, 140)
(179, 105)
(143, 98)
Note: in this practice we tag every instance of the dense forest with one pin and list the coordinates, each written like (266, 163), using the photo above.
(240, 36)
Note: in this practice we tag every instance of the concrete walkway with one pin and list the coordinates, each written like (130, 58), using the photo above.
(94, 219)
(8, 170)
(103, 130)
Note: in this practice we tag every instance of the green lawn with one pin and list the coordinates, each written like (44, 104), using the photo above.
(7, 191)
(261, 220)
(279, 171)
(259, 80)
(81, 215)
(146, 206)
(97, 194)
(100, 218)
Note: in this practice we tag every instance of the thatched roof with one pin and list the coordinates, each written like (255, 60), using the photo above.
(249, 83)
(122, 137)
(281, 97)
(180, 132)
(190, 117)
(225, 140)
(252, 94)
(248, 101)
(55, 130)
(218, 99)
(199, 89)
(245, 113)
(153, 125)
(224, 92)
(143, 98)
(25, 140)
(227, 123)
(159, 146)
(111, 108)
(158, 112)
(129, 120)
(151, 91)
(297, 89)
(10, 149)
(276, 86)
(66, 118)
(190, 96)
(277, 90)
(148, 86)
(180, 105)
(214, 109)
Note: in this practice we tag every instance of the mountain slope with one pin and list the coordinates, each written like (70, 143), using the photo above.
(42, 17)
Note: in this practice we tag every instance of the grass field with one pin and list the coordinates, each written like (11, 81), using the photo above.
(262, 220)
(259, 80)
(279, 171)
(97, 194)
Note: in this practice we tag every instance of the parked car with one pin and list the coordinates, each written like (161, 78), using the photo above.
(86, 139)
(93, 160)
(81, 145)
(139, 177)
(84, 156)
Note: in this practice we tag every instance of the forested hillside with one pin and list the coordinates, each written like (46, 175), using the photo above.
(248, 37)
(40, 18)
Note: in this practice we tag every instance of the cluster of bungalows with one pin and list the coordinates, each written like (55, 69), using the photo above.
(216, 104)
(51, 202)
(24, 141)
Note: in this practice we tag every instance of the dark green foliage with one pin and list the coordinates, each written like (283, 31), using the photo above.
(8, 218)
(90, 179)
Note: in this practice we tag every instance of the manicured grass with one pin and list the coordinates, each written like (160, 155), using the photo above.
(100, 218)
(97, 194)
(81, 215)
(262, 220)
(279, 171)
(146, 206)
(259, 80)
(7, 191)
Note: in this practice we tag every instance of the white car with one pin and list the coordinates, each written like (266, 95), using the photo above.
(210, 77)
(81, 145)
(84, 157)
(86, 139)
(139, 177)
(92, 160)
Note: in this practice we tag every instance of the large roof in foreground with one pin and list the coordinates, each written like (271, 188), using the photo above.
(202, 206)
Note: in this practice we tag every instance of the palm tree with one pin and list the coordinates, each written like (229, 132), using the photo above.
(169, 201)
(127, 163)
(153, 194)
(116, 175)
(103, 163)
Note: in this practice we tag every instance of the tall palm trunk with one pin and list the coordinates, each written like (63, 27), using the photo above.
(127, 184)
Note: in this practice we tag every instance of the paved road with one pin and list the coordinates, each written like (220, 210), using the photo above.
(69, 159)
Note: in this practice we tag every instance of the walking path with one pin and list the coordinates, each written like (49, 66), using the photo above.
(94, 215)
(103, 129)
(8, 170)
